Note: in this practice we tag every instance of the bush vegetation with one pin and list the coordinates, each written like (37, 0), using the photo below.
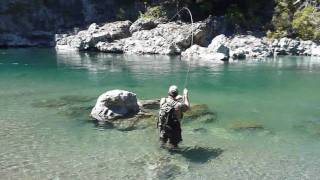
(154, 12)
(293, 18)
(306, 23)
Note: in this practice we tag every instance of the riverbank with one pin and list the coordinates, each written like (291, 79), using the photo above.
(158, 36)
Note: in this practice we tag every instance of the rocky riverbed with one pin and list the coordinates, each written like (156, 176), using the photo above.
(158, 36)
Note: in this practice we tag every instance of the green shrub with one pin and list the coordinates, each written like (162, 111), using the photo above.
(291, 21)
(154, 12)
(282, 18)
(306, 23)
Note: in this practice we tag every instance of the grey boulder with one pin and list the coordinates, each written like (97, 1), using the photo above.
(115, 104)
(145, 24)
(88, 39)
(249, 46)
(168, 38)
(217, 50)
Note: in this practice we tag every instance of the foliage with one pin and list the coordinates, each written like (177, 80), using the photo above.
(282, 18)
(154, 12)
(295, 20)
(306, 23)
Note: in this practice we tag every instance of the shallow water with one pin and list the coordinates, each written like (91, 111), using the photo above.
(45, 132)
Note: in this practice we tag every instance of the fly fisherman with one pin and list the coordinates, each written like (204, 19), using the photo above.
(170, 115)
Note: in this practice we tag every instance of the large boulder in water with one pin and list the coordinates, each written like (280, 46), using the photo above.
(115, 104)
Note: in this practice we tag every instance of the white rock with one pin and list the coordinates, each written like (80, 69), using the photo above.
(88, 39)
(315, 51)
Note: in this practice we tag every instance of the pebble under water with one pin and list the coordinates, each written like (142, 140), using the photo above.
(266, 121)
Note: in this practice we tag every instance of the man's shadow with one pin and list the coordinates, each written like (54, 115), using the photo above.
(198, 154)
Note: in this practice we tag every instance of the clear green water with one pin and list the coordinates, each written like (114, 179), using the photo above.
(58, 142)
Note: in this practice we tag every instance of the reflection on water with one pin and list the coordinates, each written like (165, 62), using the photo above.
(46, 98)
(119, 63)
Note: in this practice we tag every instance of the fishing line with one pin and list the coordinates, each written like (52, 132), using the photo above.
(191, 18)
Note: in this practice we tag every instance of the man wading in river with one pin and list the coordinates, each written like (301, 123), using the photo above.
(170, 115)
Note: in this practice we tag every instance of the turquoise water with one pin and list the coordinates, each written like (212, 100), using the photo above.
(45, 132)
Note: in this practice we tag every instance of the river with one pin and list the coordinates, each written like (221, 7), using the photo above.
(45, 98)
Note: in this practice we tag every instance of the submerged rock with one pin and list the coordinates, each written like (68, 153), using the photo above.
(200, 130)
(140, 121)
(150, 106)
(200, 113)
(61, 101)
(246, 125)
(49, 103)
(76, 99)
(163, 171)
(75, 112)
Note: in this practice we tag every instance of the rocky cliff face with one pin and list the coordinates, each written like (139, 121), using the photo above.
(34, 22)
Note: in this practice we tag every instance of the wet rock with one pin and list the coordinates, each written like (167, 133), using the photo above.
(246, 125)
(115, 104)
